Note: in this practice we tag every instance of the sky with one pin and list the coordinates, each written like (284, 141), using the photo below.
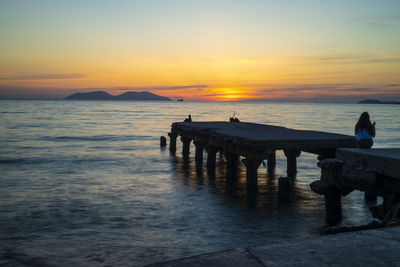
(299, 50)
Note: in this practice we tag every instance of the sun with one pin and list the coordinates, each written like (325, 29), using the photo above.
(228, 94)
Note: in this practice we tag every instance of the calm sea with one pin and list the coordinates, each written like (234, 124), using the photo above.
(86, 183)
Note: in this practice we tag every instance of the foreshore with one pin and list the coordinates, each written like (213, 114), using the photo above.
(377, 247)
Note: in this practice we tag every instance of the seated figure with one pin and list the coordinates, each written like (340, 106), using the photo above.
(188, 119)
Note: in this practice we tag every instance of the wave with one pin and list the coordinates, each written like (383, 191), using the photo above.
(79, 160)
(25, 161)
(16, 257)
(102, 137)
(121, 111)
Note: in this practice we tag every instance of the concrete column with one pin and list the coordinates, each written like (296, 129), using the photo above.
(369, 196)
(284, 187)
(172, 142)
(272, 161)
(199, 151)
(163, 141)
(291, 156)
(186, 145)
(231, 164)
(211, 155)
(333, 205)
(251, 170)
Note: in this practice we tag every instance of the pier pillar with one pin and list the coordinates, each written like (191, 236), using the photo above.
(291, 156)
(172, 142)
(272, 161)
(252, 165)
(329, 185)
(163, 141)
(211, 155)
(231, 164)
(333, 205)
(199, 151)
(186, 145)
(369, 196)
(284, 187)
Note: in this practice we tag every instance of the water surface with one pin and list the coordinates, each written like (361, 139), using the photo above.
(86, 183)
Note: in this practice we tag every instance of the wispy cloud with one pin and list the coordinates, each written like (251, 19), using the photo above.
(378, 21)
(52, 76)
(387, 55)
(355, 59)
(326, 89)
(179, 87)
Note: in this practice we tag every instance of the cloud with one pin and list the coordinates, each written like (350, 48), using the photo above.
(329, 98)
(387, 55)
(358, 89)
(393, 85)
(53, 76)
(180, 87)
(343, 59)
(326, 89)
(365, 55)
(378, 21)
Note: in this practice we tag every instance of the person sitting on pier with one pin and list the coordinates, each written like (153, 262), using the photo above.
(364, 130)
(188, 119)
(233, 118)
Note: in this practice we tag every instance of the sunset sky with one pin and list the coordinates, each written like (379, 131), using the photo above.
(202, 50)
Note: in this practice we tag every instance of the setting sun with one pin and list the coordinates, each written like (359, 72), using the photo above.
(228, 94)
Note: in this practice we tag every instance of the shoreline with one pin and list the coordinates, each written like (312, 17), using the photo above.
(373, 247)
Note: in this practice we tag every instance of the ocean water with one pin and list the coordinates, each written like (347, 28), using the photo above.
(86, 182)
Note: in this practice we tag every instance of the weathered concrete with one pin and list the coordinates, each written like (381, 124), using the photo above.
(379, 247)
(375, 171)
(257, 142)
(385, 161)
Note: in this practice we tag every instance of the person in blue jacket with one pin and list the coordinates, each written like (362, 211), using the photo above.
(364, 130)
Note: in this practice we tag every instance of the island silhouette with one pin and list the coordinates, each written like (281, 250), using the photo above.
(101, 95)
(376, 101)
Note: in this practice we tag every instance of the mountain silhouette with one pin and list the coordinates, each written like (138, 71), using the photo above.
(140, 96)
(375, 101)
(96, 95)
(101, 95)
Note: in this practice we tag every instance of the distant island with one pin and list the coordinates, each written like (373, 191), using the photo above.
(375, 101)
(101, 95)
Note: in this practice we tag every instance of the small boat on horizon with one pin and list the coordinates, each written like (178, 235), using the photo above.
(180, 99)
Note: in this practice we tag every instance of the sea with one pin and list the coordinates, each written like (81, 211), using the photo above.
(86, 183)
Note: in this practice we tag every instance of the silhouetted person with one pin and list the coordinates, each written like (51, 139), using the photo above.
(188, 119)
(233, 118)
(364, 130)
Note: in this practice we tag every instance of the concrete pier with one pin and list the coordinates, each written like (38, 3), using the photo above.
(291, 156)
(231, 164)
(199, 151)
(272, 161)
(172, 142)
(378, 247)
(254, 142)
(376, 171)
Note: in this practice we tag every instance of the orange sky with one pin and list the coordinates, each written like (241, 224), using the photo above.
(208, 50)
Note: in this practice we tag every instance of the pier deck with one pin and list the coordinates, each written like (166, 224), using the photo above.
(255, 142)
(374, 171)
(383, 161)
